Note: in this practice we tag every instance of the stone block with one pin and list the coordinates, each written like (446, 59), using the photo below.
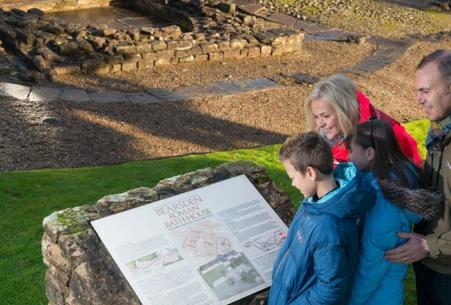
(151, 57)
(99, 42)
(69, 48)
(232, 54)
(216, 56)
(229, 8)
(84, 45)
(196, 51)
(48, 54)
(163, 61)
(145, 64)
(189, 58)
(115, 68)
(158, 45)
(244, 52)
(183, 53)
(171, 32)
(277, 51)
(172, 44)
(237, 43)
(108, 32)
(224, 45)
(65, 69)
(125, 48)
(201, 57)
(165, 53)
(144, 48)
(41, 64)
(199, 36)
(91, 64)
(7, 34)
(254, 52)
(185, 45)
(130, 62)
(26, 36)
(209, 47)
(147, 30)
(266, 51)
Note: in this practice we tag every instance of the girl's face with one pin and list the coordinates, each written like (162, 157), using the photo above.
(361, 157)
(326, 119)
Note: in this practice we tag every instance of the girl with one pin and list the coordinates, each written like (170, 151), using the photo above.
(374, 147)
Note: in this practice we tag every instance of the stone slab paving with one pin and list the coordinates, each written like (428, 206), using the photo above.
(44, 94)
(109, 97)
(142, 98)
(74, 95)
(17, 91)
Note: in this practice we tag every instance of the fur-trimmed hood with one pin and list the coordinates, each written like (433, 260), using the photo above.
(425, 203)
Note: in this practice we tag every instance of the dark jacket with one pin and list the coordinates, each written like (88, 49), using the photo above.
(438, 233)
(317, 260)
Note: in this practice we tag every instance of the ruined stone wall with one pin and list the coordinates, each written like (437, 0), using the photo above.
(209, 34)
(81, 272)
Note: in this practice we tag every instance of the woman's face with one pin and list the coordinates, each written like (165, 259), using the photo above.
(326, 119)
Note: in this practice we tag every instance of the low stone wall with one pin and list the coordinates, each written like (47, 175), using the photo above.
(214, 33)
(80, 270)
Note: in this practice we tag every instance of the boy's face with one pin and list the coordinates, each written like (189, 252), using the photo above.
(305, 183)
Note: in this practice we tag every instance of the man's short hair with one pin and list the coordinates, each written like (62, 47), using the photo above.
(443, 60)
(308, 149)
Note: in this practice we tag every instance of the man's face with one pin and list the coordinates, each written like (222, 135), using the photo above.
(433, 93)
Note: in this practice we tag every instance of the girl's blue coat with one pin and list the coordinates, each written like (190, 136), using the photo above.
(378, 281)
(317, 260)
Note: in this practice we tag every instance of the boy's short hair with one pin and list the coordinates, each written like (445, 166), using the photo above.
(308, 149)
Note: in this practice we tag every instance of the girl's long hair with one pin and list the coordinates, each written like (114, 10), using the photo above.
(390, 162)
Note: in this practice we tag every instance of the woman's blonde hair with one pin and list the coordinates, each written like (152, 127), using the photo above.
(340, 92)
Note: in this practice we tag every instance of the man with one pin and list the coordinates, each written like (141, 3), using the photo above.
(430, 247)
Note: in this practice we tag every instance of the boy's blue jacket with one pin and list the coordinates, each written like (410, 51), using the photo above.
(378, 281)
(317, 260)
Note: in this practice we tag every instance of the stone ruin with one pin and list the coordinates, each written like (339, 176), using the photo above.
(80, 270)
(201, 30)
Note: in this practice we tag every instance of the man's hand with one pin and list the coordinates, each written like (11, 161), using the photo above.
(413, 250)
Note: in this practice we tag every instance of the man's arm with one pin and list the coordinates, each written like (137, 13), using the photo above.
(419, 246)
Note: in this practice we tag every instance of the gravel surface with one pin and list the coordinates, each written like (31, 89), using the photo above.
(380, 18)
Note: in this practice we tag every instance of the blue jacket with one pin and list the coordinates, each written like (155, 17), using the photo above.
(317, 260)
(378, 281)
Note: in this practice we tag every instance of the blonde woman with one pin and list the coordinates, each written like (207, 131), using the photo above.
(335, 107)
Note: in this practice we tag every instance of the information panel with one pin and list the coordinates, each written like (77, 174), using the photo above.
(213, 245)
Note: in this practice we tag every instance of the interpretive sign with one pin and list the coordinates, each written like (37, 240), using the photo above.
(213, 245)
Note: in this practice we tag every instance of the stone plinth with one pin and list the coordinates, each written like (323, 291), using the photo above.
(81, 272)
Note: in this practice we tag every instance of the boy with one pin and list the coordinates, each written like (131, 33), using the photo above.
(317, 260)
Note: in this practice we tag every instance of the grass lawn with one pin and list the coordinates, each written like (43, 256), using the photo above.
(27, 197)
